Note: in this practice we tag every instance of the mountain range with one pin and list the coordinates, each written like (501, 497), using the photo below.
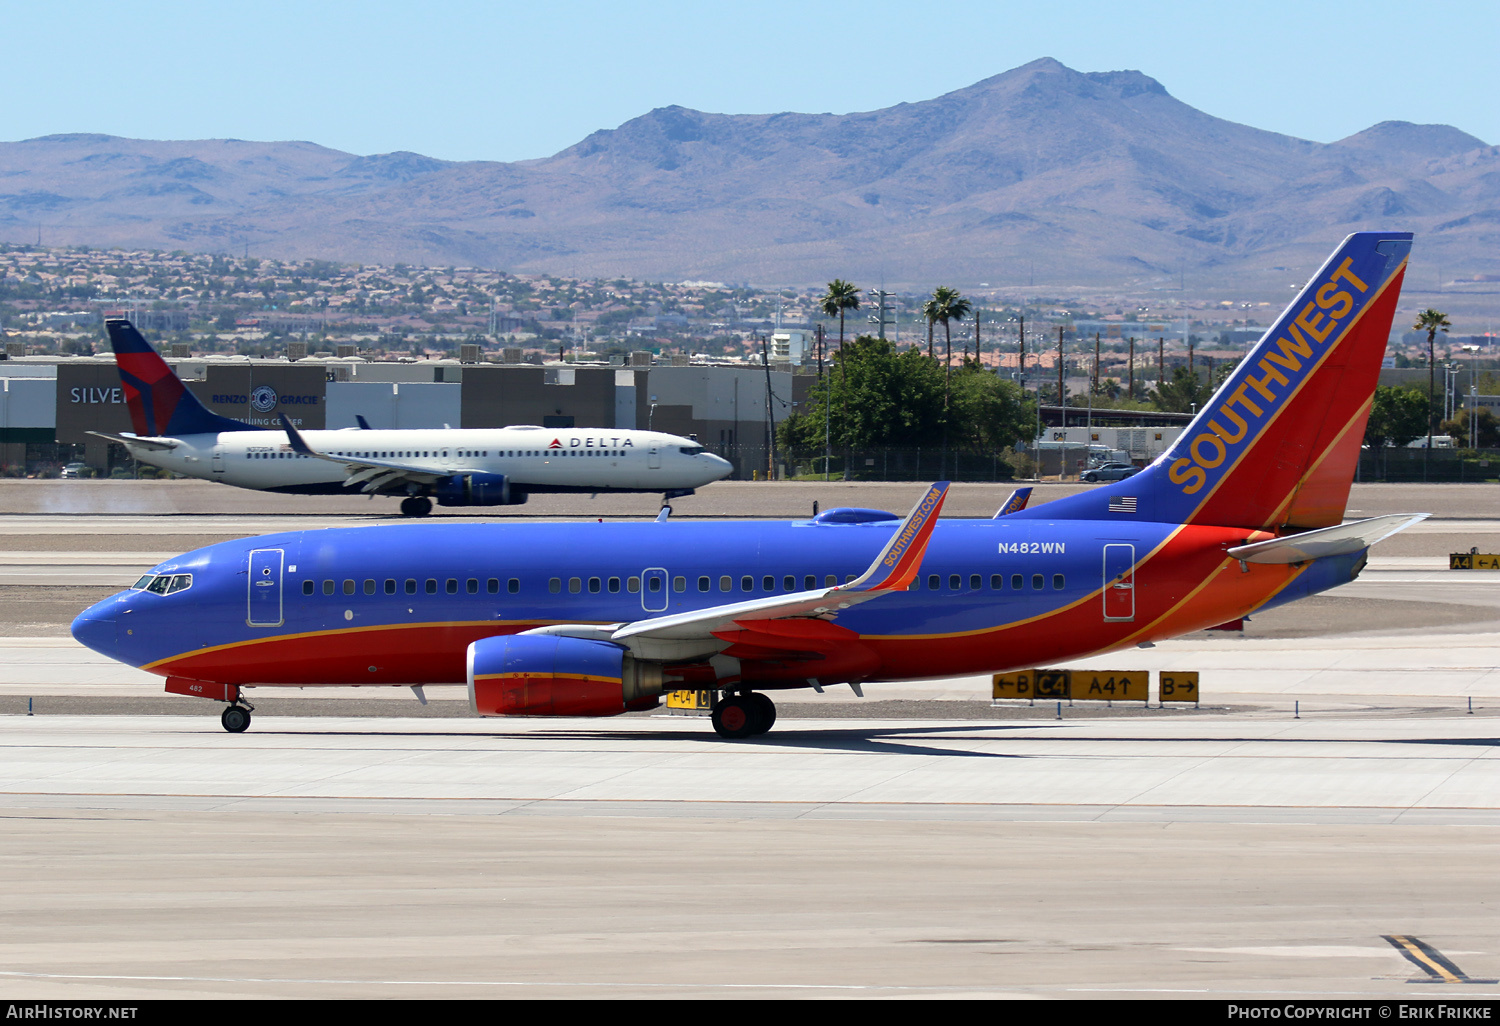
(1040, 174)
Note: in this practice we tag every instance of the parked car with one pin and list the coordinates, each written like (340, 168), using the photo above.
(73, 470)
(1110, 472)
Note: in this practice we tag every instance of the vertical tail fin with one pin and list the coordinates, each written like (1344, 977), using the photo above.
(1277, 445)
(160, 404)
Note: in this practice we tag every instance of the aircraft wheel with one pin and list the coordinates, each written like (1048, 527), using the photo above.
(416, 506)
(734, 718)
(236, 718)
(764, 710)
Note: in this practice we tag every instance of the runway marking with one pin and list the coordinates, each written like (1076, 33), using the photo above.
(1438, 967)
(16, 974)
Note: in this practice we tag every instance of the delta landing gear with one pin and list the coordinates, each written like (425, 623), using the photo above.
(745, 715)
(416, 506)
(236, 718)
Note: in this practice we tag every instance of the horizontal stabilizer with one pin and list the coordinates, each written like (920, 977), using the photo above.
(153, 444)
(1327, 541)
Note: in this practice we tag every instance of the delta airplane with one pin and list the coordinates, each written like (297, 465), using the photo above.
(1243, 513)
(457, 467)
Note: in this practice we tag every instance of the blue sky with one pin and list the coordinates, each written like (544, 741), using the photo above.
(506, 81)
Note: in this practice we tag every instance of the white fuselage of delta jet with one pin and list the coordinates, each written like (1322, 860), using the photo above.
(534, 458)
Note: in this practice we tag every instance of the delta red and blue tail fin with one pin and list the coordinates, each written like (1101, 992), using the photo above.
(160, 404)
(1277, 445)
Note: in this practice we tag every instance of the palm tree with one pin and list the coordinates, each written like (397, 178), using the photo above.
(841, 296)
(947, 306)
(1431, 321)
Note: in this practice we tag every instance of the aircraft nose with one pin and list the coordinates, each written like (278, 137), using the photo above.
(95, 628)
(719, 464)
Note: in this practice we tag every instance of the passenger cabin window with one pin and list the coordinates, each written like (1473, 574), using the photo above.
(934, 582)
(1036, 582)
(1057, 582)
(614, 585)
(411, 585)
(390, 586)
(679, 584)
(327, 587)
(514, 585)
(555, 585)
(308, 587)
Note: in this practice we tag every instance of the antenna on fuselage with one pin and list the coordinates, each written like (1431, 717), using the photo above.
(666, 511)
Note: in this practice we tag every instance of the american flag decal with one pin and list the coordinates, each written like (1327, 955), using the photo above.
(1122, 504)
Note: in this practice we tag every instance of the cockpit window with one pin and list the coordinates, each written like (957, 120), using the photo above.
(690, 450)
(166, 584)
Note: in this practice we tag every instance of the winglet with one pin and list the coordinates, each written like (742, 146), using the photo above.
(898, 563)
(1014, 504)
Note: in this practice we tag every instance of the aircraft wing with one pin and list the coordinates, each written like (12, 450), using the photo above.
(1326, 541)
(797, 622)
(373, 475)
(154, 444)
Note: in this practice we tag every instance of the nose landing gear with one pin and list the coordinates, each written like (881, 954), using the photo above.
(235, 718)
(745, 715)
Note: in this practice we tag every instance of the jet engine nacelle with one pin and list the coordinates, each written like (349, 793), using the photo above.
(477, 490)
(551, 675)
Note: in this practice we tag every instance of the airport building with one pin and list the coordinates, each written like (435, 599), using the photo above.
(49, 402)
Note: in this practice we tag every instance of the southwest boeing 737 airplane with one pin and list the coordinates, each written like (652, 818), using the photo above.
(457, 467)
(1243, 513)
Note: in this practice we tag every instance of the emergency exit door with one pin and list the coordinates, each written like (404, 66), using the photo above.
(1119, 582)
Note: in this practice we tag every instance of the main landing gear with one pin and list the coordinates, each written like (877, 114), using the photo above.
(236, 718)
(416, 506)
(745, 715)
